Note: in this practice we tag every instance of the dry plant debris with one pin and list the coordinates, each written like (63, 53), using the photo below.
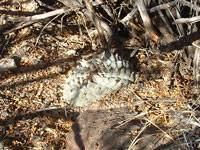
(42, 41)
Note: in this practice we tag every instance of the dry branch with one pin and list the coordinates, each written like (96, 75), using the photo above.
(179, 26)
(98, 22)
(181, 43)
(129, 16)
(196, 71)
(26, 21)
(173, 3)
(42, 16)
(90, 14)
(187, 20)
(166, 22)
(106, 8)
(146, 20)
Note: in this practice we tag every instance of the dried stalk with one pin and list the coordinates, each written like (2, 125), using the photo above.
(196, 71)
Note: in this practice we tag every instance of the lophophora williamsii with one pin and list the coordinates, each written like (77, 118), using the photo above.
(92, 79)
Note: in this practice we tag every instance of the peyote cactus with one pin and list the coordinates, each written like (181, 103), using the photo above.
(92, 79)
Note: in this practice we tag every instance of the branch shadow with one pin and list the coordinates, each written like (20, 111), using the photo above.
(181, 143)
(77, 130)
(55, 114)
(103, 129)
(35, 68)
(10, 2)
(18, 13)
